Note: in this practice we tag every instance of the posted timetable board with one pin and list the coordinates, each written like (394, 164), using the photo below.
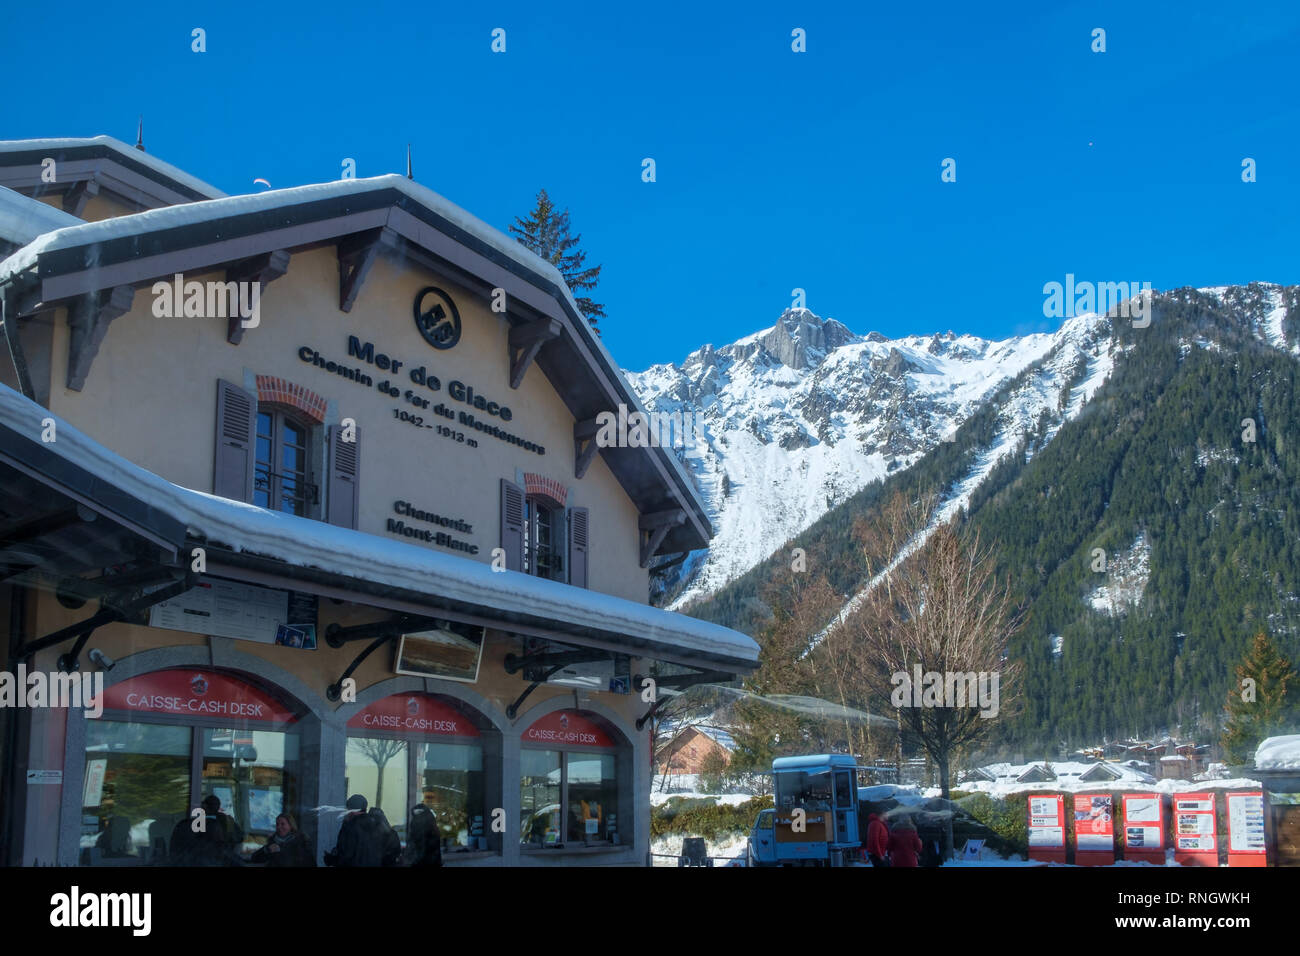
(1047, 828)
(1247, 844)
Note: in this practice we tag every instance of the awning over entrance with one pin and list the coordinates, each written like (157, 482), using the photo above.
(286, 547)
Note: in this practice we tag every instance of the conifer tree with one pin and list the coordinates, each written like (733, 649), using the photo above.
(546, 232)
(1261, 708)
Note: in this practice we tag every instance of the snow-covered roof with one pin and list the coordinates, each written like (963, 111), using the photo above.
(22, 219)
(1279, 753)
(217, 210)
(1064, 771)
(307, 543)
(115, 145)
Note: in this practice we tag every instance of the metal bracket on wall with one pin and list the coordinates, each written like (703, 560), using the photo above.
(337, 636)
(677, 682)
(118, 611)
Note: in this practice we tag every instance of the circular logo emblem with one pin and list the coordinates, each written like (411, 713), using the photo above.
(436, 318)
(412, 706)
(198, 685)
(564, 721)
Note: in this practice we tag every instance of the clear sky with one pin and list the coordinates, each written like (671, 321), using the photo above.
(775, 169)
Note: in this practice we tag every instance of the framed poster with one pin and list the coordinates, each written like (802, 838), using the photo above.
(449, 650)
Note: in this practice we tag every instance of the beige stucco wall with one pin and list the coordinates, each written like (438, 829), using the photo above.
(97, 208)
(152, 391)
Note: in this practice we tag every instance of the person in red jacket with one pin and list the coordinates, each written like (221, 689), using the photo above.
(877, 841)
(904, 844)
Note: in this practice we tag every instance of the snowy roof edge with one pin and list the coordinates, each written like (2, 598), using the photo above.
(130, 152)
(304, 542)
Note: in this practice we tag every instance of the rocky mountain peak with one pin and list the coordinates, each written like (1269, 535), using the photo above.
(801, 338)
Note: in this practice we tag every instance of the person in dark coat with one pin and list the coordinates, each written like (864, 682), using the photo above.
(877, 841)
(423, 841)
(359, 844)
(214, 845)
(904, 844)
(289, 846)
(390, 844)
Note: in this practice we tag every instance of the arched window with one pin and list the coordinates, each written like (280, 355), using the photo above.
(543, 537)
(283, 479)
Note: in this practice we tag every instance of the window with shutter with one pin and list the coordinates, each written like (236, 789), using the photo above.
(578, 522)
(343, 493)
(512, 525)
(234, 457)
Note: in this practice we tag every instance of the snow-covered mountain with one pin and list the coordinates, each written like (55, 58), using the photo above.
(796, 418)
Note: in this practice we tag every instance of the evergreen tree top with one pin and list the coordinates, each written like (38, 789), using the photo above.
(546, 232)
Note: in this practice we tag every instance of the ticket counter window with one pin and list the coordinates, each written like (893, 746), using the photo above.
(451, 785)
(539, 797)
(592, 796)
(255, 775)
(568, 799)
(377, 769)
(136, 788)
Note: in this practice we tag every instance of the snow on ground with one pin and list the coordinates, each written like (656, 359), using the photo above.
(1279, 753)
(658, 798)
(1126, 579)
(1272, 324)
(665, 850)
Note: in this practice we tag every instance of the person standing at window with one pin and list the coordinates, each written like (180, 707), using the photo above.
(289, 846)
(423, 841)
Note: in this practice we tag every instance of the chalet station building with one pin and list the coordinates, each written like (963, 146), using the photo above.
(308, 480)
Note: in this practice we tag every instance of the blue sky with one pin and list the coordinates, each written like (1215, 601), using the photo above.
(775, 169)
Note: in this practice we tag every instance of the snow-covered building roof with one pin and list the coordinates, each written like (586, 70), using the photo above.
(121, 167)
(132, 251)
(313, 550)
(1279, 753)
(22, 219)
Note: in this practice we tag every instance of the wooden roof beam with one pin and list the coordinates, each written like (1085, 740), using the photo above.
(584, 446)
(74, 200)
(357, 254)
(263, 269)
(654, 528)
(525, 342)
(88, 318)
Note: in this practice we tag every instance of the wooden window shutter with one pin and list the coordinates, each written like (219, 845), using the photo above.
(512, 524)
(236, 451)
(578, 521)
(343, 491)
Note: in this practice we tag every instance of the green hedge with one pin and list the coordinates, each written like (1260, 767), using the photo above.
(1007, 817)
(703, 817)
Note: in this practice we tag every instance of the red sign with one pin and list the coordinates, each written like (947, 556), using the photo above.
(567, 727)
(414, 714)
(1195, 838)
(1047, 828)
(1144, 827)
(1094, 829)
(196, 693)
(1247, 845)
